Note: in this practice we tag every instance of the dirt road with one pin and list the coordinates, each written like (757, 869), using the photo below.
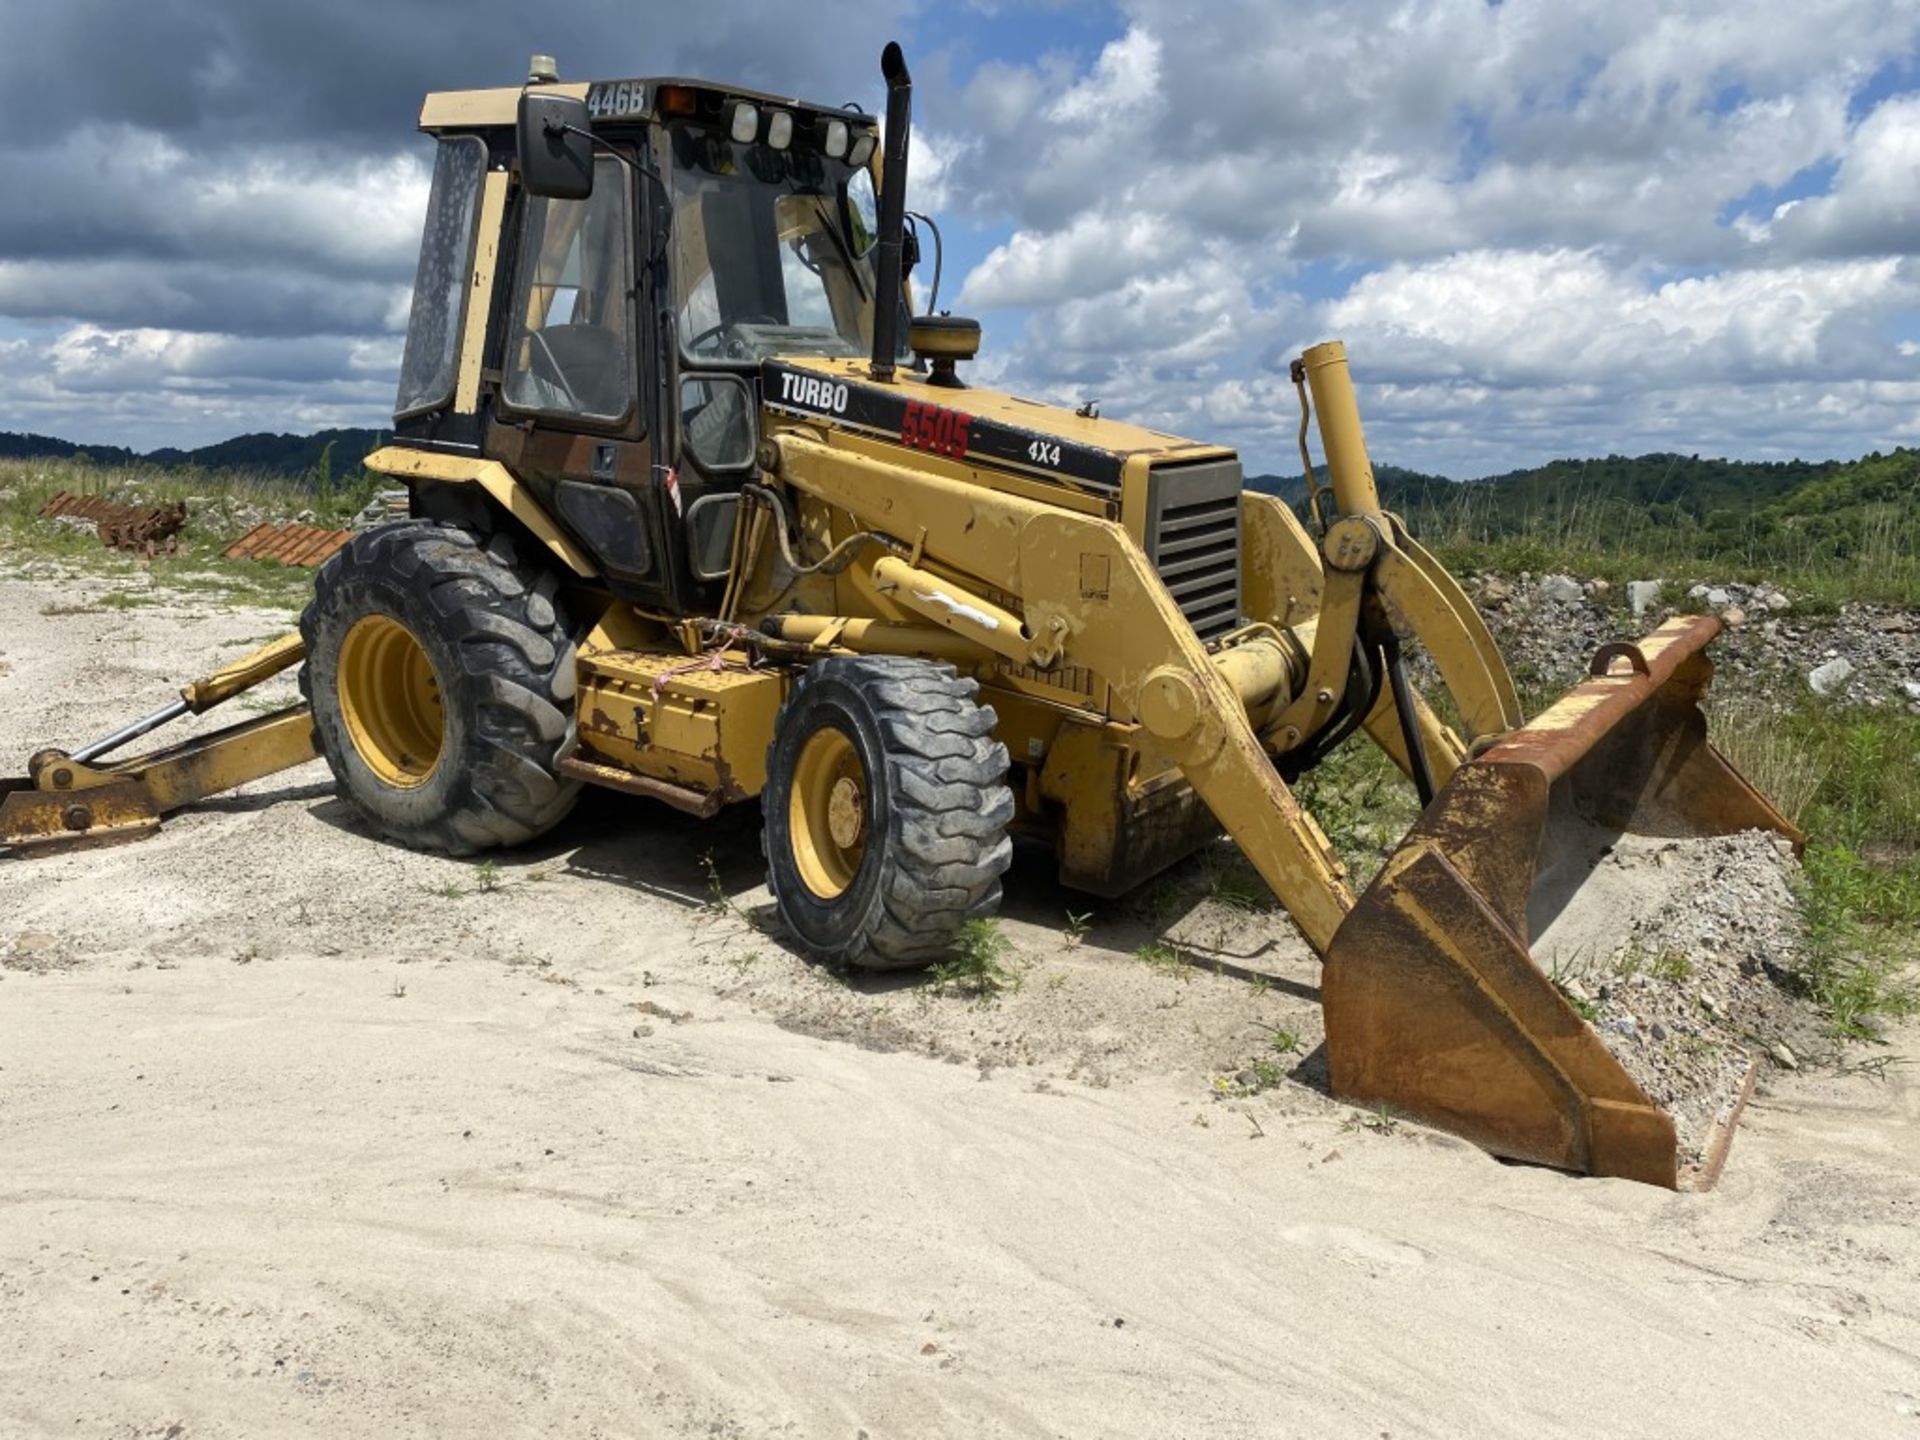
(304, 1135)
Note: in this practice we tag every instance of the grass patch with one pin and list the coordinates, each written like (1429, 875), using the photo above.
(1362, 802)
(1846, 776)
(221, 506)
(1772, 756)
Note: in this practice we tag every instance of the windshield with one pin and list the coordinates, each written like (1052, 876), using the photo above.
(772, 250)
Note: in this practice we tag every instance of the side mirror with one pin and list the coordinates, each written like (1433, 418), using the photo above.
(556, 149)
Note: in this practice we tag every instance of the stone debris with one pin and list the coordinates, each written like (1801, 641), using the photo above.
(1677, 952)
(1827, 678)
(1768, 640)
(1561, 590)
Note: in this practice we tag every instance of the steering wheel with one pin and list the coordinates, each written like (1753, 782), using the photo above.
(559, 375)
(715, 331)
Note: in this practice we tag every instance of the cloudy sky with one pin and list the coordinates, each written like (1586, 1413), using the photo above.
(1542, 227)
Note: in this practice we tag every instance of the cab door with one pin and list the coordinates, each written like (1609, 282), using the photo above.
(575, 395)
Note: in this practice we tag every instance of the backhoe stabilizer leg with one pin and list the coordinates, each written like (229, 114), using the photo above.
(67, 805)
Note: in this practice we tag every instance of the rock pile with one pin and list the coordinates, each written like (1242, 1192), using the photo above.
(1548, 627)
(1695, 986)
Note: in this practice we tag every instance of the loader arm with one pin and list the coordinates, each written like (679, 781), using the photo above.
(1091, 599)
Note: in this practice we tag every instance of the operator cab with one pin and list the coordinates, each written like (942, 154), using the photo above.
(603, 270)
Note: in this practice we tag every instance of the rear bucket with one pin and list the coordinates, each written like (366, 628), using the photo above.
(1434, 1003)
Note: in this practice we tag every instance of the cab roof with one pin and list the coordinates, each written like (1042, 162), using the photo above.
(632, 99)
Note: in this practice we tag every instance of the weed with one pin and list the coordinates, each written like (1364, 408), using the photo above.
(1266, 1074)
(1672, 966)
(1565, 973)
(1575, 995)
(1381, 1120)
(1362, 802)
(1078, 926)
(718, 902)
(1169, 959)
(449, 891)
(1234, 882)
(977, 966)
(1284, 1041)
(486, 876)
(1859, 940)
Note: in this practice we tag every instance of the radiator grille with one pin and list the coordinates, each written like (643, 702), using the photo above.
(1193, 539)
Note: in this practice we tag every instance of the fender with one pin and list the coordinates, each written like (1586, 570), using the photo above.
(494, 478)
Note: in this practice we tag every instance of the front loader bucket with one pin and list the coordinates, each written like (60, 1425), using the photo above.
(1434, 1004)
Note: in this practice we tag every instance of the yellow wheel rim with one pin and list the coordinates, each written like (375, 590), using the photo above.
(390, 699)
(827, 813)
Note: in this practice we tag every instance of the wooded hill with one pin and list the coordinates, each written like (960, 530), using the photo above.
(1749, 509)
(290, 455)
(1756, 510)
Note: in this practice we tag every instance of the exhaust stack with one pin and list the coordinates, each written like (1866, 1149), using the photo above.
(893, 212)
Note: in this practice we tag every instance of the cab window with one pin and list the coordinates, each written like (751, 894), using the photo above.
(440, 282)
(572, 347)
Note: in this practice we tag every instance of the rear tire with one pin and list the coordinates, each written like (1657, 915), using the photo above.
(886, 810)
(440, 668)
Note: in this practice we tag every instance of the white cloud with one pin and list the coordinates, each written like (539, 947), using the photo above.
(1095, 254)
(1531, 213)
(1551, 317)
(1874, 205)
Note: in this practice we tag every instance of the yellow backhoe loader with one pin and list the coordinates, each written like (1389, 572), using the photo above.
(703, 512)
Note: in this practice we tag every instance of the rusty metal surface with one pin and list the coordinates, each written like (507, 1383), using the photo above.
(67, 805)
(1433, 1001)
(701, 803)
(289, 544)
(142, 529)
(37, 822)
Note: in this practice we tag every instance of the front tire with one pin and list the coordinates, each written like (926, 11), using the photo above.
(886, 810)
(440, 669)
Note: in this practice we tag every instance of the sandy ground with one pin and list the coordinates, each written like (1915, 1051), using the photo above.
(304, 1135)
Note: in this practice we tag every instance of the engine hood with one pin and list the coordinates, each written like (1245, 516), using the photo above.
(975, 424)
